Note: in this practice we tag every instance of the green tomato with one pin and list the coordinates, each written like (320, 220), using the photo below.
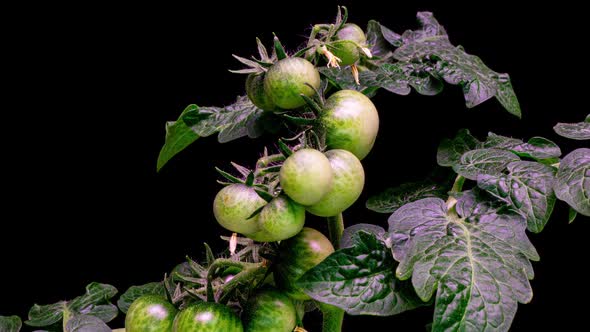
(150, 313)
(306, 176)
(280, 219)
(296, 256)
(255, 91)
(269, 310)
(234, 204)
(207, 317)
(349, 179)
(346, 50)
(286, 80)
(351, 121)
(353, 32)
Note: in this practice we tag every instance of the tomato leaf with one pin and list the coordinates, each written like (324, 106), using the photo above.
(483, 161)
(237, 120)
(392, 199)
(85, 323)
(349, 239)
(380, 47)
(537, 148)
(134, 292)
(105, 312)
(475, 261)
(231, 122)
(577, 131)
(573, 180)
(360, 280)
(393, 77)
(96, 301)
(45, 315)
(10, 323)
(96, 293)
(572, 215)
(527, 189)
(431, 46)
(178, 137)
(450, 150)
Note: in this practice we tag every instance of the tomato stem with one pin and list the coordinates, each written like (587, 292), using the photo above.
(335, 229)
(457, 187)
(245, 275)
(333, 317)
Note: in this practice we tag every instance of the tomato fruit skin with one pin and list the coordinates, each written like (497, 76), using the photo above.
(349, 180)
(296, 256)
(234, 204)
(207, 317)
(353, 32)
(150, 313)
(306, 176)
(255, 91)
(269, 310)
(285, 82)
(280, 219)
(347, 51)
(351, 122)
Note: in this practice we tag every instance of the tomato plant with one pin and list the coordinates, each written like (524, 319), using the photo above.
(458, 246)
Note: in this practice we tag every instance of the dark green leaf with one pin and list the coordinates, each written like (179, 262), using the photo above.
(96, 293)
(394, 77)
(105, 312)
(86, 323)
(572, 215)
(431, 46)
(231, 122)
(393, 198)
(450, 150)
(573, 180)
(478, 266)
(390, 76)
(527, 189)
(152, 288)
(45, 315)
(178, 137)
(483, 161)
(578, 131)
(348, 236)
(476, 202)
(379, 46)
(360, 280)
(426, 85)
(10, 324)
(537, 148)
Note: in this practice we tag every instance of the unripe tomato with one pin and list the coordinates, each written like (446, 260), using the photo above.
(286, 80)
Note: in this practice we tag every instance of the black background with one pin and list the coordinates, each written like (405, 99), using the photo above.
(94, 86)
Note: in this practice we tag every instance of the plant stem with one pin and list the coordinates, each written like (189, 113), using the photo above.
(333, 318)
(458, 184)
(335, 229)
(457, 187)
(224, 262)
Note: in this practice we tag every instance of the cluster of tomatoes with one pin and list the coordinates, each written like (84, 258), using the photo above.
(322, 183)
(271, 307)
